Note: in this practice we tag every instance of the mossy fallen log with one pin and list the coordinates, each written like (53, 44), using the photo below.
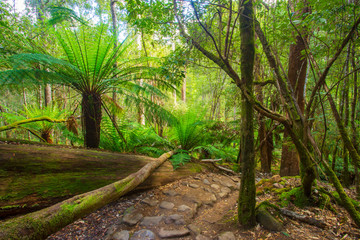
(40, 224)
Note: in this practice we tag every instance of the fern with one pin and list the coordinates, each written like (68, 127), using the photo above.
(180, 158)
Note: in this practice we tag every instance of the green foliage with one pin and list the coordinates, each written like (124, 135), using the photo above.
(180, 158)
(295, 196)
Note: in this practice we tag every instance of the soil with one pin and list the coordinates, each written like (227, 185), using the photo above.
(211, 217)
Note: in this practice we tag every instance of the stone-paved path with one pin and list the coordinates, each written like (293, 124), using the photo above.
(179, 210)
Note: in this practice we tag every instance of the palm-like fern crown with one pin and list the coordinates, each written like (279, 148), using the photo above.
(92, 52)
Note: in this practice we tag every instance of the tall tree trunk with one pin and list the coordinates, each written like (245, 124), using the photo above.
(114, 26)
(246, 207)
(297, 76)
(47, 95)
(91, 110)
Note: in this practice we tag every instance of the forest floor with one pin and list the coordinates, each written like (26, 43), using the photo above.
(203, 207)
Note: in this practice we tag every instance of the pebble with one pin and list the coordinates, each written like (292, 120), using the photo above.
(215, 186)
(132, 218)
(151, 221)
(193, 185)
(166, 205)
(184, 208)
(175, 218)
(122, 235)
(170, 193)
(173, 233)
(206, 182)
(143, 234)
(227, 236)
(150, 202)
(201, 237)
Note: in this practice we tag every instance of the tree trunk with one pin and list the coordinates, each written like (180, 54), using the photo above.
(40, 224)
(114, 25)
(297, 76)
(91, 110)
(246, 203)
(47, 95)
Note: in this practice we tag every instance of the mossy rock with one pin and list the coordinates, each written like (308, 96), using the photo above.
(295, 196)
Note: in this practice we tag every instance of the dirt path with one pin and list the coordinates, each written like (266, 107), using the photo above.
(199, 207)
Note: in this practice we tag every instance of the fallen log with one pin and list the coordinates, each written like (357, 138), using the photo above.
(40, 224)
(303, 218)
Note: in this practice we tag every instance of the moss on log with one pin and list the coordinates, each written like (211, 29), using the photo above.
(40, 224)
(30, 120)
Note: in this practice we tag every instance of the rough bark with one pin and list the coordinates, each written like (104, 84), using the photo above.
(40, 224)
(91, 110)
(246, 203)
(297, 75)
(114, 26)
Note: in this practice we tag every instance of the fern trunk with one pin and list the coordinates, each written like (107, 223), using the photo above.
(91, 109)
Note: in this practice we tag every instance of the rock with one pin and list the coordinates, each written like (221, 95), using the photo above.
(122, 235)
(193, 185)
(227, 236)
(175, 218)
(206, 182)
(276, 178)
(207, 190)
(185, 183)
(150, 202)
(215, 186)
(166, 205)
(151, 221)
(132, 218)
(184, 208)
(110, 231)
(197, 177)
(170, 193)
(229, 184)
(278, 185)
(173, 233)
(201, 237)
(223, 194)
(143, 234)
(195, 229)
(216, 180)
(210, 200)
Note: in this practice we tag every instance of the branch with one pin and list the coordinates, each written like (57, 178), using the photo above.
(30, 120)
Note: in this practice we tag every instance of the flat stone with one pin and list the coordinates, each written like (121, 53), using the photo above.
(184, 183)
(223, 194)
(215, 186)
(170, 193)
(202, 237)
(166, 205)
(193, 185)
(122, 235)
(227, 236)
(206, 182)
(216, 180)
(132, 218)
(143, 234)
(150, 202)
(184, 208)
(195, 229)
(210, 200)
(175, 218)
(173, 233)
(151, 221)
(228, 183)
(197, 178)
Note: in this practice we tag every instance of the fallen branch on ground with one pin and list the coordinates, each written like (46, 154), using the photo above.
(40, 224)
(213, 161)
(303, 218)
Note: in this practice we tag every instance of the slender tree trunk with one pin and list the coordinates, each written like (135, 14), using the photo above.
(91, 110)
(114, 25)
(246, 203)
(297, 76)
(47, 95)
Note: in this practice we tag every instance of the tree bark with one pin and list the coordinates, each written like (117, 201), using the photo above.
(297, 75)
(246, 203)
(40, 224)
(91, 110)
